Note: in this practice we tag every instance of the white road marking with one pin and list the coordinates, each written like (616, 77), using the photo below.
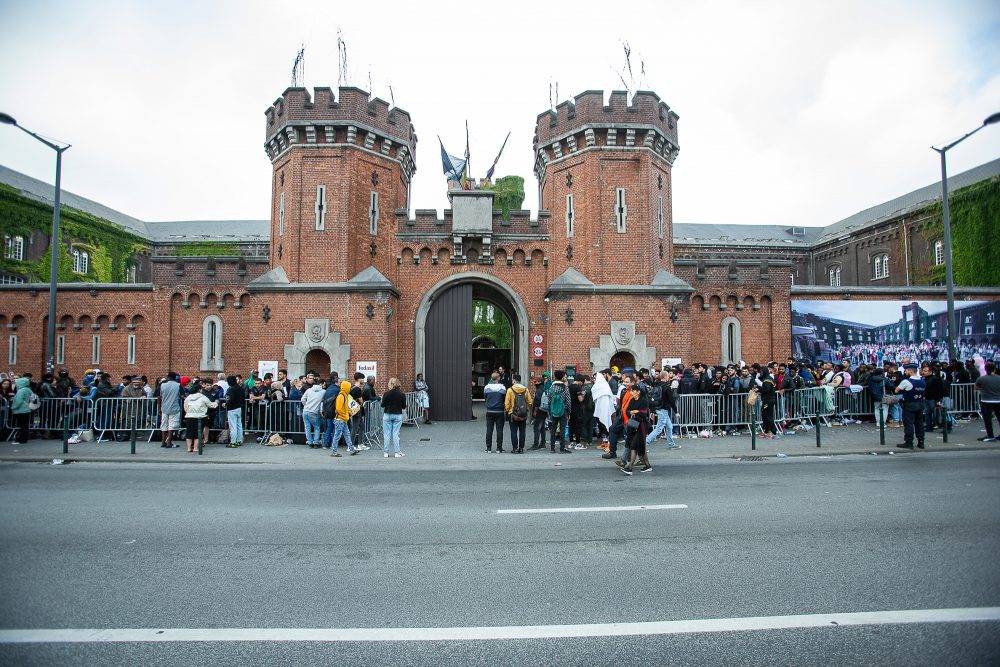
(132, 635)
(622, 508)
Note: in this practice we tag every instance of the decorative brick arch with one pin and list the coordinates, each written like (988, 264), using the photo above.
(622, 339)
(316, 336)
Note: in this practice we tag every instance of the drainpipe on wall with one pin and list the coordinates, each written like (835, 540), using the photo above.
(906, 253)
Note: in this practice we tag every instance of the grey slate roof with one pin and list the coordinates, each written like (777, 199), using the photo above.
(714, 234)
(45, 192)
(232, 231)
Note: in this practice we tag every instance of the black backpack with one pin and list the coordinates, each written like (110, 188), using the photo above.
(329, 408)
(656, 398)
(520, 411)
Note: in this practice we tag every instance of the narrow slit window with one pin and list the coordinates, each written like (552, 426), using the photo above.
(621, 210)
(320, 207)
(570, 216)
(95, 352)
(281, 214)
(12, 350)
(373, 213)
(60, 349)
(131, 350)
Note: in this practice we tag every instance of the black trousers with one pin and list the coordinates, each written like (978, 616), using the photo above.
(615, 433)
(495, 419)
(517, 434)
(538, 428)
(558, 431)
(582, 428)
(913, 420)
(989, 411)
(21, 421)
(767, 415)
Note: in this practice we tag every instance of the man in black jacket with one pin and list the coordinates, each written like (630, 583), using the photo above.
(235, 398)
(768, 401)
(538, 414)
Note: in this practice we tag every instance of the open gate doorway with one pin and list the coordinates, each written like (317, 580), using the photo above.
(455, 368)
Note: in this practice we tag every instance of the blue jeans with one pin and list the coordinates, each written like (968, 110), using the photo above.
(663, 424)
(235, 417)
(312, 420)
(391, 424)
(341, 428)
(327, 432)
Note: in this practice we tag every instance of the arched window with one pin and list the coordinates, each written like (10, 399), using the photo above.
(938, 252)
(81, 261)
(211, 344)
(732, 341)
(880, 267)
(834, 276)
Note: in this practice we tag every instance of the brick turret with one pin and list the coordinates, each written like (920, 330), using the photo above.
(604, 173)
(341, 169)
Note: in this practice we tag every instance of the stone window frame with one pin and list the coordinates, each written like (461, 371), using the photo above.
(281, 214)
(659, 217)
(373, 213)
(833, 272)
(321, 208)
(880, 266)
(621, 211)
(95, 349)
(570, 217)
(130, 355)
(12, 349)
(61, 349)
(737, 348)
(211, 344)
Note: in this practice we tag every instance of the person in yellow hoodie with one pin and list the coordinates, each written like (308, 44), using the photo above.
(342, 420)
(517, 403)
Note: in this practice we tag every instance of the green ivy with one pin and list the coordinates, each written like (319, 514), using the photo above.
(111, 248)
(509, 194)
(490, 321)
(975, 212)
(206, 249)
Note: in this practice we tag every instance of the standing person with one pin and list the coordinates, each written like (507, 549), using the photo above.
(876, 389)
(559, 406)
(504, 377)
(20, 407)
(170, 408)
(358, 394)
(911, 391)
(494, 394)
(196, 407)
(768, 402)
(662, 401)
(312, 401)
(341, 420)
(988, 386)
(423, 398)
(933, 393)
(539, 414)
(235, 398)
(583, 413)
(517, 404)
(604, 403)
(636, 429)
(393, 406)
(327, 412)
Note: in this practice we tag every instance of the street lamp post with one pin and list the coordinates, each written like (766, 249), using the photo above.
(948, 272)
(50, 345)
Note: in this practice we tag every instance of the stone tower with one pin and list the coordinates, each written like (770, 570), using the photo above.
(604, 173)
(342, 166)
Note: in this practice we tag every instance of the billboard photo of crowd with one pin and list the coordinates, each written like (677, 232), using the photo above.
(871, 332)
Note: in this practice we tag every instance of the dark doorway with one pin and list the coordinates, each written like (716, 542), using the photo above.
(319, 361)
(448, 354)
(623, 360)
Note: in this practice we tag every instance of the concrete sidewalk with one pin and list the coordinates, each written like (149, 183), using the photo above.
(462, 444)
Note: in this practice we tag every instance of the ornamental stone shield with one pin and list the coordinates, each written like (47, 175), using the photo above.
(622, 338)
(317, 329)
(316, 335)
(623, 332)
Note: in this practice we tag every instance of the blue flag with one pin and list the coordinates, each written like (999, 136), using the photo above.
(453, 166)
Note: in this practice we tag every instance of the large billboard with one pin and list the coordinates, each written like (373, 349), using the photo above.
(870, 332)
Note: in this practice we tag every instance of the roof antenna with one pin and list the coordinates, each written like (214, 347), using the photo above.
(341, 59)
(299, 68)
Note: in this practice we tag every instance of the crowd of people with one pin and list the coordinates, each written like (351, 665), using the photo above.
(930, 351)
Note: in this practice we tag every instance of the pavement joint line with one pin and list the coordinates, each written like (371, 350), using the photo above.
(566, 510)
(341, 635)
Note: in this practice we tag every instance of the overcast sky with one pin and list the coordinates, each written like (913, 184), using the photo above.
(868, 312)
(790, 112)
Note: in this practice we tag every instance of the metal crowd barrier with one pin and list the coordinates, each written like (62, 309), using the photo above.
(49, 417)
(414, 411)
(371, 424)
(964, 400)
(117, 415)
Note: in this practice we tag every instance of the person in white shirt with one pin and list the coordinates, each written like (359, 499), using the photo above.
(312, 403)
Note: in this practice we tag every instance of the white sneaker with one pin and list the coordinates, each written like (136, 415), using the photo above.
(399, 455)
(385, 455)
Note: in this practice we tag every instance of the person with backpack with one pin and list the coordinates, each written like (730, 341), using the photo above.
(235, 398)
(517, 404)
(661, 400)
(21, 409)
(328, 409)
(559, 406)
(495, 394)
(539, 414)
(342, 420)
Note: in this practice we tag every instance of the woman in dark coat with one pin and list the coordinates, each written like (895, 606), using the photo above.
(638, 410)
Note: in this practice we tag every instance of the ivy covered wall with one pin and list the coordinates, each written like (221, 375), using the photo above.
(112, 249)
(975, 220)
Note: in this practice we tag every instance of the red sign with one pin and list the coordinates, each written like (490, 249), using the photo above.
(538, 352)
(538, 339)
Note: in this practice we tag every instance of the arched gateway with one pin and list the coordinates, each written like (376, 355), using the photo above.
(443, 338)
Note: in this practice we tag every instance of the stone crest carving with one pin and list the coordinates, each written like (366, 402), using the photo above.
(623, 332)
(317, 330)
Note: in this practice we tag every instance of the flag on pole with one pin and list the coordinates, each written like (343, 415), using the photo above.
(465, 169)
(489, 174)
(453, 166)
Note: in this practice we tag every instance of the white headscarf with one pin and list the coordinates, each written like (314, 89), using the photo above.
(604, 400)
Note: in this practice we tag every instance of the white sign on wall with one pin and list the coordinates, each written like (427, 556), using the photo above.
(670, 362)
(367, 367)
(265, 367)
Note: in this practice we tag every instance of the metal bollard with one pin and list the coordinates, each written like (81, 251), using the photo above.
(65, 434)
(819, 423)
(133, 433)
(753, 437)
(944, 421)
(881, 425)
(200, 443)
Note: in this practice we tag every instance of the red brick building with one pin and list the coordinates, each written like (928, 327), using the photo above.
(344, 274)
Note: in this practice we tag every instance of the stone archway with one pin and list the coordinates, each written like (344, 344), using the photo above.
(622, 339)
(474, 277)
(316, 336)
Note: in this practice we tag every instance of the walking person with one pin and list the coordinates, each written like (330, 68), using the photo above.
(559, 406)
(636, 429)
(662, 401)
(312, 401)
(911, 391)
(196, 407)
(20, 407)
(342, 419)
(235, 398)
(517, 404)
(988, 386)
(393, 406)
(495, 393)
(170, 408)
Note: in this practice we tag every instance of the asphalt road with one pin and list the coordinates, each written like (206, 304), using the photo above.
(183, 546)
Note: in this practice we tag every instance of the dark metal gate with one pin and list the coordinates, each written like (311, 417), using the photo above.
(448, 354)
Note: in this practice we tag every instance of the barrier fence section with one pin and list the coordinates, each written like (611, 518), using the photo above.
(964, 400)
(3, 415)
(117, 415)
(414, 410)
(49, 417)
(371, 424)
